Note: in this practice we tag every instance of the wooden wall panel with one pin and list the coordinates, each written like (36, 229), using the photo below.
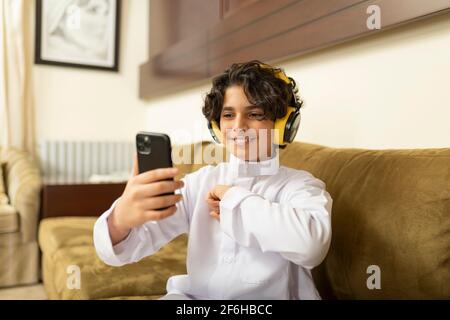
(241, 30)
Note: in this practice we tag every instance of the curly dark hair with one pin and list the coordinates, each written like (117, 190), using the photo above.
(261, 86)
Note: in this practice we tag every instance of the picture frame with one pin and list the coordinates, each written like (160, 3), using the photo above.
(78, 33)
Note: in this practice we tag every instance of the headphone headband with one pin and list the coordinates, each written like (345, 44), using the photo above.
(297, 104)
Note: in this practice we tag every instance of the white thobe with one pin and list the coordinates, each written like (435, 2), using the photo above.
(275, 226)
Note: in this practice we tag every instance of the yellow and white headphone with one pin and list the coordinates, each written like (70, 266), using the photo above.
(287, 126)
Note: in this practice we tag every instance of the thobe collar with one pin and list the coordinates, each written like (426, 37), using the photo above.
(241, 168)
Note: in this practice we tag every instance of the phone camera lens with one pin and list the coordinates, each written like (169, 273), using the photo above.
(144, 145)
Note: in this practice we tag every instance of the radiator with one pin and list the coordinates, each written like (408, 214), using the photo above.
(80, 161)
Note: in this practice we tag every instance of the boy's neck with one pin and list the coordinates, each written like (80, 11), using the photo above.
(244, 168)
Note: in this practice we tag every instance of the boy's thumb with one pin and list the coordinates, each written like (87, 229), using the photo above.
(135, 166)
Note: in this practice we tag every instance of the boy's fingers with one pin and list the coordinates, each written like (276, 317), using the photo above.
(153, 215)
(212, 202)
(135, 166)
(159, 188)
(211, 196)
(215, 215)
(159, 202)
(157, 175)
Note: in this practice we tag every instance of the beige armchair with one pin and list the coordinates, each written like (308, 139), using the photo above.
(19, 214)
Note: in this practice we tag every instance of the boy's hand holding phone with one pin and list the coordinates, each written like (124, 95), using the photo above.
(144, 199)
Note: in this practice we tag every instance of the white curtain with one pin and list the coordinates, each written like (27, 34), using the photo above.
(17, 127)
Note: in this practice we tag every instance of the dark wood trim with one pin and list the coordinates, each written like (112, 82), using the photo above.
(78, 199)
(271, 31)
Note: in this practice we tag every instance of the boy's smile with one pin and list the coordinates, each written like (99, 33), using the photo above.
(246, 131)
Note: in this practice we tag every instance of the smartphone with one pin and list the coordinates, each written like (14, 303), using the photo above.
(154, 151)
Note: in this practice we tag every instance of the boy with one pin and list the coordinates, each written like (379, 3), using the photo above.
(256, 229)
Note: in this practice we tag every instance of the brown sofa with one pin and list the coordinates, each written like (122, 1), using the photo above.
(391, 210)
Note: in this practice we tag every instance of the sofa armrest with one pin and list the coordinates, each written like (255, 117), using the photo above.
(23, 186)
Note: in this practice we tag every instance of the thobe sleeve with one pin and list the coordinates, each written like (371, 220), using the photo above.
(298, 226)
(144, 240)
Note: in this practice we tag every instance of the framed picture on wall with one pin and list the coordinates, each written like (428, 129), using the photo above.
(78, 33)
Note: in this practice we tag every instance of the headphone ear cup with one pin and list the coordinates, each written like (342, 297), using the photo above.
(280, 127)
(215, 131)
(292, 125)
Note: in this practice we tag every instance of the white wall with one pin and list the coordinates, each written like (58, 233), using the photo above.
(385, 91)
(80, 104)
(388, 91)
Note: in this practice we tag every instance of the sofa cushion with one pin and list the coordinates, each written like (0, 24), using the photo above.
(9, 219)
(67, 241)
(60, 232)
(391, 209)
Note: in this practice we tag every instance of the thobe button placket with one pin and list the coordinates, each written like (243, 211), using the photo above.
(228, 249)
